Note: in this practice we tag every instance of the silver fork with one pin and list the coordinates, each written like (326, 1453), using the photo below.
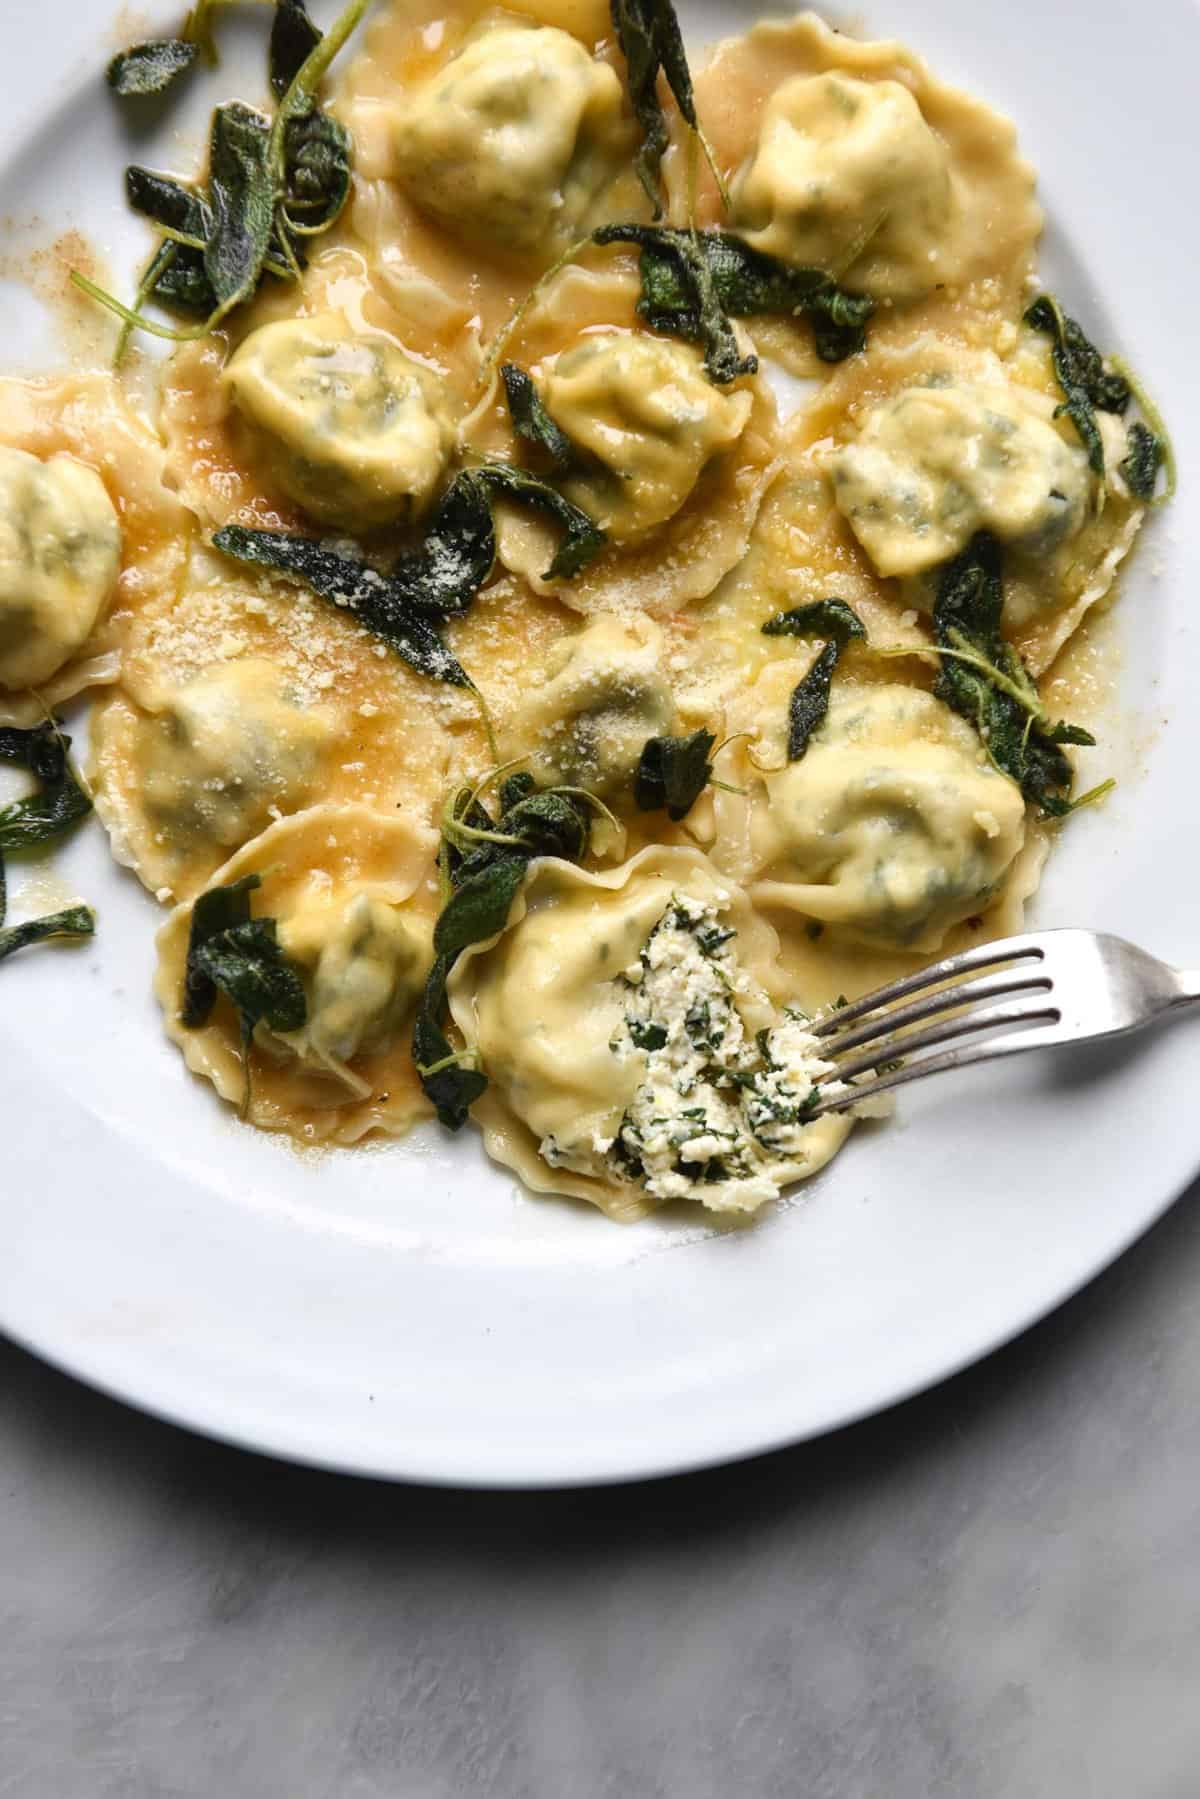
(1074, 987)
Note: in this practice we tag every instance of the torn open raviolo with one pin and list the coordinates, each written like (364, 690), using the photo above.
(353, 897)
(892, 828)
(617, 1016)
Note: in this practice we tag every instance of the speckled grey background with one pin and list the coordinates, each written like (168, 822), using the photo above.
(993, 1591)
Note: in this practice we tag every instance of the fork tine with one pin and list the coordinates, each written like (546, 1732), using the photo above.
(944, 1033)
(971, 961)
(928, 1065)
(946, 999)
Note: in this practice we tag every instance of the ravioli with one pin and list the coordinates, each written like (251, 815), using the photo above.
(348, 425)
(512, 143)
(853, 157)
(892, 828)
(648, 423)
(352, 896)
(60, 554)
(676, 472)
(246, 700)
(848, 175)
(940, 461)
(925, 444)
(585, 723)
(99, 505)
(552, 1007)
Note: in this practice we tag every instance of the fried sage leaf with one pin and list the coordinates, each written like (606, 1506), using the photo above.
(1147, 454)
(839, 625)
(983, 678)
(294, 37)
(74, 921)
(672, 773)
(60, 800)
(242, 200)
(582, 538)
(485, 860)
(246, 963)
(376, 602)
(651, 41)
(219, 909)
(318, 168)
(273, 183)
(149, 68)
(1087, 386)
(532, 422)
(692, 281)
(682, 261)
(232, 953)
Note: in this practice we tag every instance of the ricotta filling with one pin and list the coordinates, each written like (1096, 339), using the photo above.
(719, 1115)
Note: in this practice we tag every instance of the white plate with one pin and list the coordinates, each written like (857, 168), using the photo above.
(404, 1312)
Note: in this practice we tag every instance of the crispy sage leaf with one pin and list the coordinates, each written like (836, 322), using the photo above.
(232, 953)
(531, 420)
(691, 281)
(149, 68)
(246, 963)
(319, 161)
(672, 773)
(375, 601)
(830, 618)
(294, 37)
(582, 537)
(650, 39)
(1088, 387)
(219, 909)
(839, 624)
(450, 1084)
(242, 199)
(168, 202)
(684, 256)
(983, 678)
(485, 881)
(61, 800)
(74, 921)
(1146, 455)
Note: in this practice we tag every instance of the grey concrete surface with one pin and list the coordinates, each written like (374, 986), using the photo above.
(992, 1591)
